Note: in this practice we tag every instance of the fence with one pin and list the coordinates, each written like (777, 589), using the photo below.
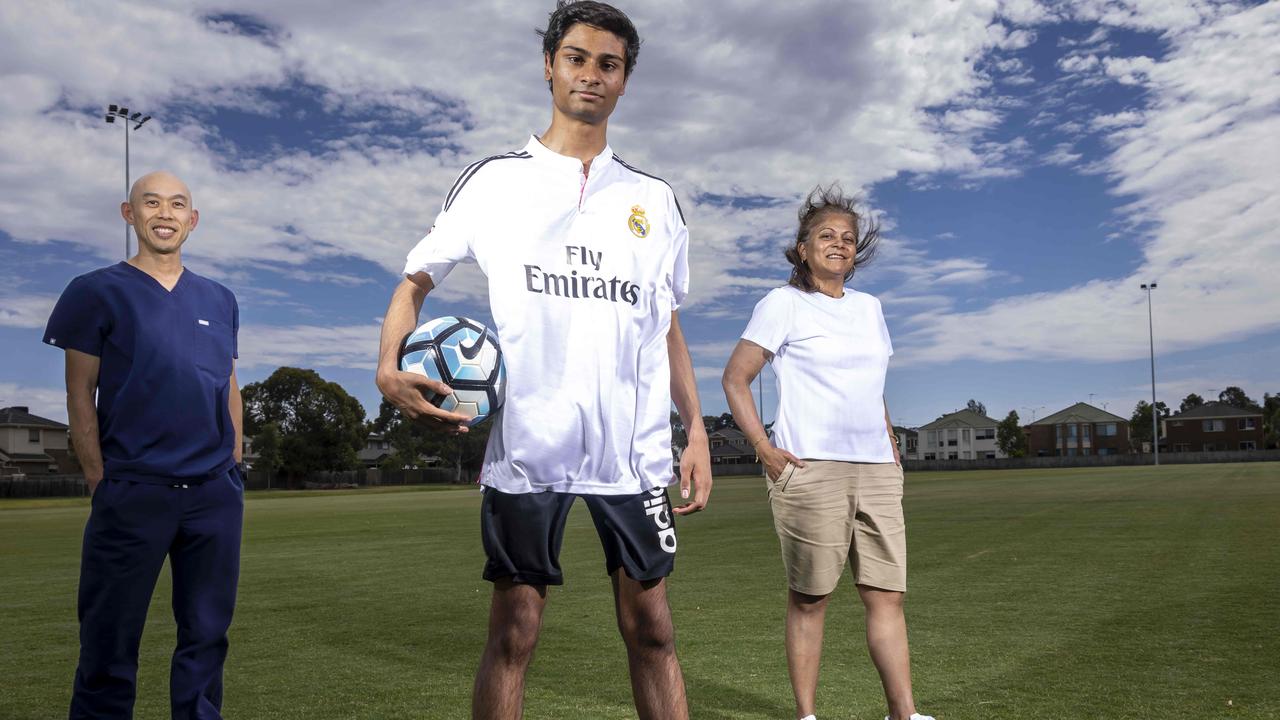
(29, 486)
(33, 486)
(1172, 458)
(740, 469)
(372, 477)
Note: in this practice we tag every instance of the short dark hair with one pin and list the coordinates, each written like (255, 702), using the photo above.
(822, 201)
(601, 16)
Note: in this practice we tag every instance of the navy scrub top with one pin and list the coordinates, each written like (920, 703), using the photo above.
(165, 372)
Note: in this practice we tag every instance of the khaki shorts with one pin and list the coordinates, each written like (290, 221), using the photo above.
(826, 509)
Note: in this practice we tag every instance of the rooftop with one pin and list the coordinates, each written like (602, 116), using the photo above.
(21, 416)
(1216, 409)
(1079, 413)
(961, 418)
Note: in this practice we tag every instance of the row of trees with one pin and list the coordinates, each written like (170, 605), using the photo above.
(302, 424)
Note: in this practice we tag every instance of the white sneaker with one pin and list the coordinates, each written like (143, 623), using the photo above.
(809, 717)
(915, 716)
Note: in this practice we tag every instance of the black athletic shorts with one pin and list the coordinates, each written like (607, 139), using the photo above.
(523, 531)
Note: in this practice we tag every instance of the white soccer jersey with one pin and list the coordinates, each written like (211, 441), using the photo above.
(584, 273)
(830, 356)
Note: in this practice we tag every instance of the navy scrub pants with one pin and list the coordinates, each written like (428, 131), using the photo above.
(131, 528)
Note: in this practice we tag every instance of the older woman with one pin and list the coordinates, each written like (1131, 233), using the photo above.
(834, 474)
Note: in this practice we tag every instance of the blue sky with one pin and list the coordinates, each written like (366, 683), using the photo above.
(1030, 163)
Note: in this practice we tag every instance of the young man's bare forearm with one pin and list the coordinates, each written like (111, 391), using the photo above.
(684, 385)
(400, 320)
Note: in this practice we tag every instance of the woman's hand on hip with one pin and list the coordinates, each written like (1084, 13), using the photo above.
(775, 460)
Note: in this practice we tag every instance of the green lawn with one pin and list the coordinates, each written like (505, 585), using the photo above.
(1092, 593)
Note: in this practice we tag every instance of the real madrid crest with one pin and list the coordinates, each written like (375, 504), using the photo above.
(638, 223)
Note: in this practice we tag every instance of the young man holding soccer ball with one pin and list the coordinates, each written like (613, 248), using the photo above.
(587, 263)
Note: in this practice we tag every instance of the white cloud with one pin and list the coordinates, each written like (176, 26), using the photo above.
(1096, 37)
(1115, 120)
(25, 311)
(1149, 15)
(311, 346)
(1062, 154)
(969, 119)
(1026, 12)
(1078, 63)
(1128, 71)
(1197, 162)
(46, 402)
(1018, 39)
(765, 100)
(368, 198)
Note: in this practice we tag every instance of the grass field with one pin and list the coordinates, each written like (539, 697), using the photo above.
(1092, 593)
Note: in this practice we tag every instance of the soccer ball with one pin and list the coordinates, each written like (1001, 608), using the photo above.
(464, 355)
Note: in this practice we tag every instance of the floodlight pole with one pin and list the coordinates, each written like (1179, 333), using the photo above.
(1151, 337)
(137, 121)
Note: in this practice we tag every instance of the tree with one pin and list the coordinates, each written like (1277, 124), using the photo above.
(679, 437)
(267, 446)
(1140, 422)
(1009, 436)
(1236, 398)
(1271, 419)
(1189, 402)
(412, 441)
(321, 426)
(713, 422)
(977, 407)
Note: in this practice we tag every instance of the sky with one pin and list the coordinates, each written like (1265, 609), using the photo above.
(1031, 164)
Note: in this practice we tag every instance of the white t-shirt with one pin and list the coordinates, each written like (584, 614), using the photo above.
(830, 356)
(583, 275)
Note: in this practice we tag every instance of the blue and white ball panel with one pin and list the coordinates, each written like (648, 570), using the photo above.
(472, 402)
(430, 329)
(462, 368)
(436, 351)
(421, 362)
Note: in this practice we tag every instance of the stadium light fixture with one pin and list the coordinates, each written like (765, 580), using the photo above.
(1151, 337)
(137, 120)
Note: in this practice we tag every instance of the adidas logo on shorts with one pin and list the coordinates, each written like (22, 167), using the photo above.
(657, 507)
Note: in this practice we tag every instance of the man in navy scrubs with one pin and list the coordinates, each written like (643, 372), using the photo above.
(159, 448)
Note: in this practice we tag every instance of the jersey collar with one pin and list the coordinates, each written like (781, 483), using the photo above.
(543, 154)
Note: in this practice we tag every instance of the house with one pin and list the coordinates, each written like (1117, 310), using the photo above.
(729, 446)
(908, 442)
(376, 449)
(1081, 429)
(1214, 426)
(961, 435)
(32, 445)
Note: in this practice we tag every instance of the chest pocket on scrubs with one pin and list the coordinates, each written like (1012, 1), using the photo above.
(212, 348)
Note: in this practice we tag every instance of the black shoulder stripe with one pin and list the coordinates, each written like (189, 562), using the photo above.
(474, 168)
(637, 171)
